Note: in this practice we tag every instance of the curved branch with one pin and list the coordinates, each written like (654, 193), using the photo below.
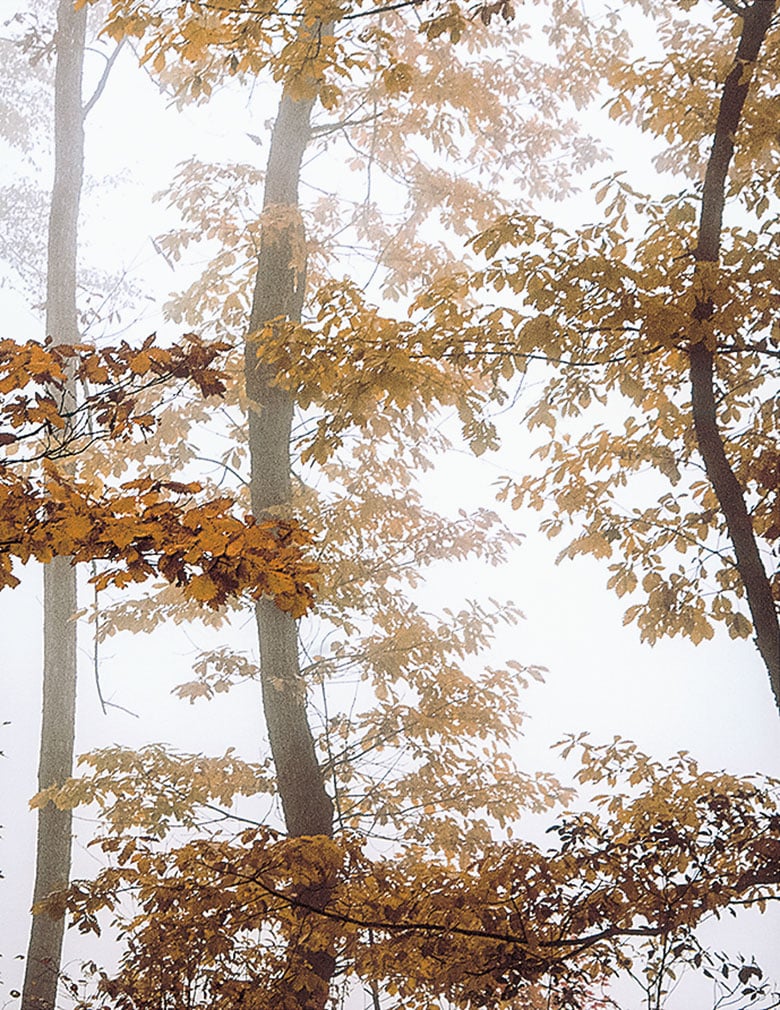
(756, 22)
(101, 84)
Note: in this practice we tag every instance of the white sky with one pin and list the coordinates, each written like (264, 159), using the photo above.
(713, 700)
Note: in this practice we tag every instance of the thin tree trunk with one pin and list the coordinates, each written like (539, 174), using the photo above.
(279, 293)
(53, 852)
(757, 18)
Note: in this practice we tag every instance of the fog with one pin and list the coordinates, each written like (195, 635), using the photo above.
(712, 700)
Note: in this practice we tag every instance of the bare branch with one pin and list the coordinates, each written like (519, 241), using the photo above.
(327, 128)
(101, 84)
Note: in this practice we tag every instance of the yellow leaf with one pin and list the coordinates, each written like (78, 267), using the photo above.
(140, 363)
(203, 588)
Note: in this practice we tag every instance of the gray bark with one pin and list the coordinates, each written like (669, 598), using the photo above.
(53, 850)
(279, 293)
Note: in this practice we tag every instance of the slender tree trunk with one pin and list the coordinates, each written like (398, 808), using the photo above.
(53, 853)
(279, 293)
(756, 20)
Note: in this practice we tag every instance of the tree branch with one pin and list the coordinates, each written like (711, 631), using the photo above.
(101, 84)
(757, 19)
(733, 7)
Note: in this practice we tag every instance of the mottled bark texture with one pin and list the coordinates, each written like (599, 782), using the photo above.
(53, 851)
(278, 295)
(756, 21)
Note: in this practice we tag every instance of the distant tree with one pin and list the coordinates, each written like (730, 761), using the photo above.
(60, 663)
(49, 514)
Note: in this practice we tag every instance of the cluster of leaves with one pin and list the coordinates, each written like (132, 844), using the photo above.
(146, 525)
(181, 786)
(428, 747)
(362, 370)
(45, 410)
(665, 848)
(320, 44)
(618, 328)
(410, 108)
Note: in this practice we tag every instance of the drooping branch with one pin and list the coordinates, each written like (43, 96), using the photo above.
(756, 21)
(506, 920)
(38, 408)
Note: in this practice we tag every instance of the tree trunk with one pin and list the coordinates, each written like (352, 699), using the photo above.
(53, 852)
(279, 293)
(757, 18)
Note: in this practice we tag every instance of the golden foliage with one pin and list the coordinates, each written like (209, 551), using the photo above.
(146, 525)
(666, 848)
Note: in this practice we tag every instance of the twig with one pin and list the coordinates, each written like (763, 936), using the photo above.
(733, 7)
(101, 84)
(104, 704)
